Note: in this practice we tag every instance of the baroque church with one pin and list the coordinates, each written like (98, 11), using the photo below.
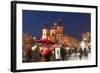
(57, 33)
(53, 33)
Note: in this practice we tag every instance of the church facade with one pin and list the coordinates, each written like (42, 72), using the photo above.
(57, 33)
(53, 33)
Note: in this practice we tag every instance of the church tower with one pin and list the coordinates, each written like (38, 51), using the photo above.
(45, 31)
(53, 33)
(59, 28)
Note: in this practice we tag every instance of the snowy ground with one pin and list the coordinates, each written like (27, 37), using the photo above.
(76, 57)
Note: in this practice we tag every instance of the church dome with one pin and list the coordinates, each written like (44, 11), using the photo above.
(45, 26)
(58, 22)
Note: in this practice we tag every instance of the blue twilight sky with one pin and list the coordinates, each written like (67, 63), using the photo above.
(74, 23)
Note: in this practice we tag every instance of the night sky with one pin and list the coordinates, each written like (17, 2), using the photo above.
(74, 23)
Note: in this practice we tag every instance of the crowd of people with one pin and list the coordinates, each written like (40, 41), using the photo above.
(39, 52)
